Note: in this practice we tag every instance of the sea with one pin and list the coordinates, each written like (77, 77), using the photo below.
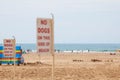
(69, 47)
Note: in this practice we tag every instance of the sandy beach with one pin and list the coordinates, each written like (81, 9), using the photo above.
(68, 66)
(84, 36)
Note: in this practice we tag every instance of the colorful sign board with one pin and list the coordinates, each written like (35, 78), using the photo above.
(44, 35)
(9, 47)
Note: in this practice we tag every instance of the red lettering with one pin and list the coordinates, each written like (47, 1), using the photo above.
(5, 48)
(8, 45)
(11, 52)
(39, 37)
(46, 37)
(47, 43)
(41, 44)
(44, 22)
(10, 48)
(43, 30)
(8, 54)
(8, 41)
(6, 51)
(43, 50)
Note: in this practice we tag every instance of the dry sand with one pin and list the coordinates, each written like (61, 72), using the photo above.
(68, 66)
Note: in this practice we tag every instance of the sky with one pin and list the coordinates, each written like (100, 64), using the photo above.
(76, 21)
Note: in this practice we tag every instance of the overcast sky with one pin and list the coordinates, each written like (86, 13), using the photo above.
(76, 21)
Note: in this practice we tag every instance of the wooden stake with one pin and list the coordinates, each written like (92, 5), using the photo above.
(52, 46)
(14, 54)
(39, 63)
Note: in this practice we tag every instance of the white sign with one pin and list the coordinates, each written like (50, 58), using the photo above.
(9, 45)
(44, 33)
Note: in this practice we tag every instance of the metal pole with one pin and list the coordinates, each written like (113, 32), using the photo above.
(52, 47)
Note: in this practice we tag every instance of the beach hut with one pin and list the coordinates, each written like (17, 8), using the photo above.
(10, 60)
(1, 53)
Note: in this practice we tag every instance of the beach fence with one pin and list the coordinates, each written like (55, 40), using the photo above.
(10, 59)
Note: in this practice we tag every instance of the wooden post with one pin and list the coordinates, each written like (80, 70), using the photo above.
(53, 67)
(39, 64)
(52, 46)
(14, 53)
(39, 54)
(43, 23)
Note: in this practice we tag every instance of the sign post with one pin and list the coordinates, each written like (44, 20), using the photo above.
(14, 53)
(14, 49)
(44, 35)
(52, 47)
(9, 50)
(45, 38)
